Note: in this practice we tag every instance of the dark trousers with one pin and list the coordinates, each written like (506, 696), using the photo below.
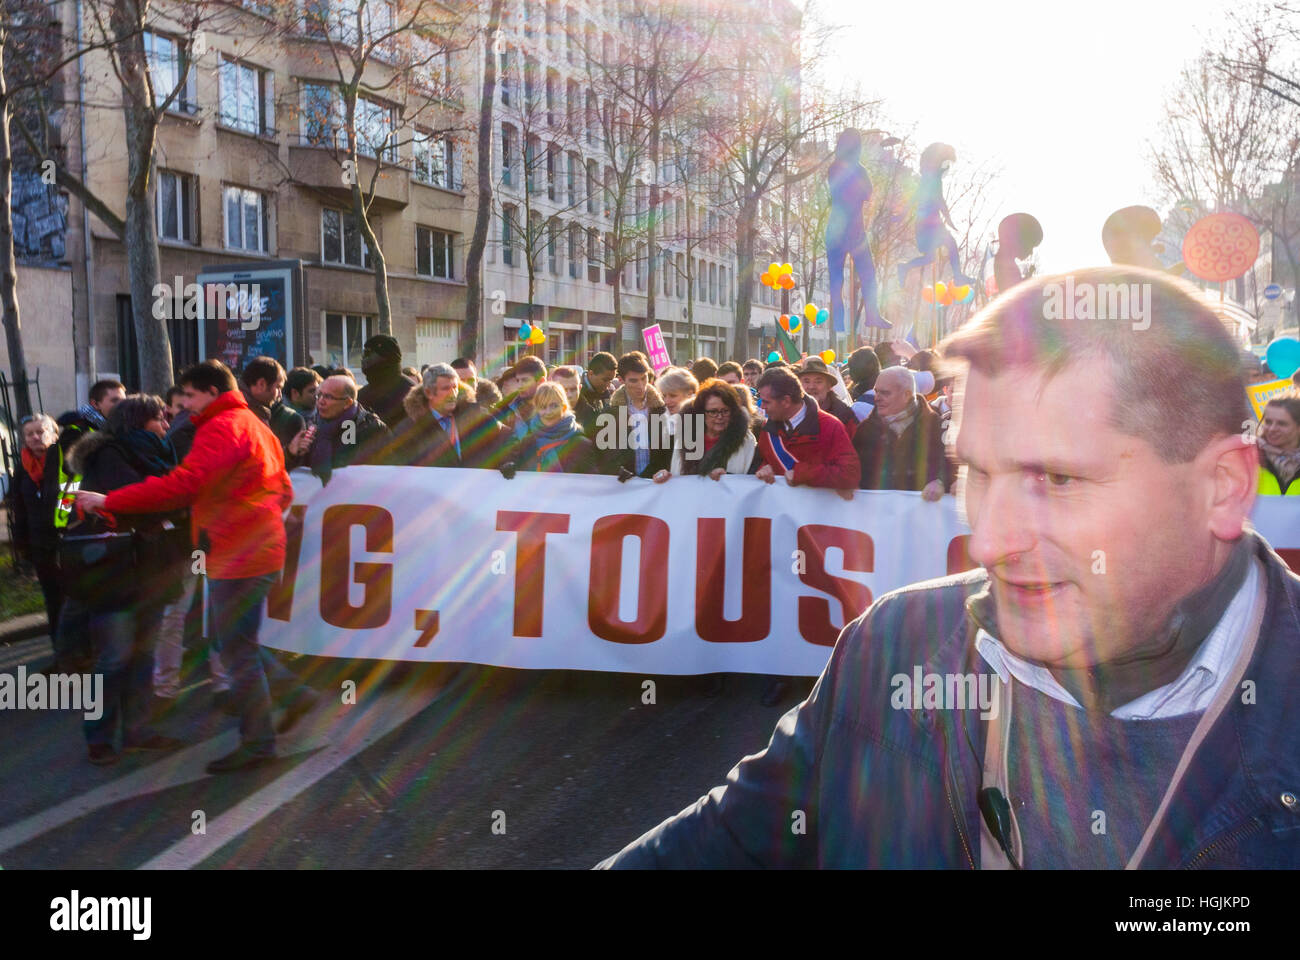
(235, 617)
(122, 641)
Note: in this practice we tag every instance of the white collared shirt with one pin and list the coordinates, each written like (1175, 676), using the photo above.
(1191, 692)
(798, 417)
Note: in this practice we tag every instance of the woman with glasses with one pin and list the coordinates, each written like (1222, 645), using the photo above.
(729, 444)
(32, 498)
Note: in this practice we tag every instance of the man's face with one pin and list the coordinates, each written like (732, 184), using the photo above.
(570, 385)
(778, 408)
(266, 392)
(815, 385)
(527, 385)
(600, 381)
(891, 396)
(1085, 562)
(332, 399)
(751, 377)
(305, 399)
(196, 401)
(1279, 429)
(730, 377)
(442, 395)
(673, 399)
(175, 405)
(636, 384)
(468, 375)
(110, 400)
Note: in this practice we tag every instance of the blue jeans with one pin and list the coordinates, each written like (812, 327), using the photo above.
(122, 641)
(235, 617)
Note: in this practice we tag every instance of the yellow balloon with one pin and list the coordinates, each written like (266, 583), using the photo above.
(939, 288)
(787, 268)
(538, 336)
(810, 311)
(774, 269)
(828, 356)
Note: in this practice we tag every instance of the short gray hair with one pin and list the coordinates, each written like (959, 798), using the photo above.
(436, 371)
(902, 374)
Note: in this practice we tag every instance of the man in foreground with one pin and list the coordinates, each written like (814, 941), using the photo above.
(1139, 638)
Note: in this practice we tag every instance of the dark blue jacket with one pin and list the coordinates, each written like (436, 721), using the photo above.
(880, 787)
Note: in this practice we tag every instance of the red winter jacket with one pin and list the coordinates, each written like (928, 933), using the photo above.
(819, 450)
(234, 482)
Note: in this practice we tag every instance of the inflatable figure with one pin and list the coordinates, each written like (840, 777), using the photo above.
(850, 190)
(1018, 234)
(1129, 237)
(932, 213)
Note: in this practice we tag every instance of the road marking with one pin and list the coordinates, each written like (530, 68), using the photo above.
(187, 766)
(386, 713)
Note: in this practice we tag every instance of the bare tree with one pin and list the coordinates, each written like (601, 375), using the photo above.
(473, 322)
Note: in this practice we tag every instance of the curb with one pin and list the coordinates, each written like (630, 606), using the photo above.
(26, 627)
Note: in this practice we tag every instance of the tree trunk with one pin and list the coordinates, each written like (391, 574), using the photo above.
(378, 262)
(652, 251)
(473, 322)
(9, 272)
(744, 274)
(141, 236)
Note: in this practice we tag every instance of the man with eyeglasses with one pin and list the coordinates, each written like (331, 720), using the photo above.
(341, 432)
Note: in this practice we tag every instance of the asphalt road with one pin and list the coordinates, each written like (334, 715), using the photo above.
(451, 766)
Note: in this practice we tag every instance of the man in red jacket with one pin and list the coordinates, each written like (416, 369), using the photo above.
(234, 482)
(801, 442)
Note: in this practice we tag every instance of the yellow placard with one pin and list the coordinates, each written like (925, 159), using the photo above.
(1261, 393)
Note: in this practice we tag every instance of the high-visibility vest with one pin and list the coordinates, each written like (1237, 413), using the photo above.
(69, 484)
(1268, 484)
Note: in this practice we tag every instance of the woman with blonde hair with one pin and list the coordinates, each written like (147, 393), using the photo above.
(554, 442)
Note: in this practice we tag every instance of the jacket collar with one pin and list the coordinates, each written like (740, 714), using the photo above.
(808, 426)
(230, 400)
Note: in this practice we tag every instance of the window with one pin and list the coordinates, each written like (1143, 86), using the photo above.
(431, 66)
(593, 186)
(245, 215)
(552, 244)
(175, 207)
(375, 127)
(321, 111)
(168, 61)
(575, 249)
(571, 107)
(640, 266)
(552, 171)
(530, 80)
(713, 283)
(573, 179)
(593, 117)
(551, 26)
(571, 34)
(344, 334)
(436, 161)
(532, 163)
(246, 97)
(341, 240)
(507, 154)
(609, 192)
(701, 284)
(533, 239)
(433, 257)
(508, 230)
(681, 276)
(505, 77)
(666, 263)
(593, 256)
(552, 93)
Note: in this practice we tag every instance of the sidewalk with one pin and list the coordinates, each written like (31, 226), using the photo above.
(26, 627)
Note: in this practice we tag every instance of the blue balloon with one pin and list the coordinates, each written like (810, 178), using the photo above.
(1283, 356)
(773, 357)
(823, 315)
(525, 331)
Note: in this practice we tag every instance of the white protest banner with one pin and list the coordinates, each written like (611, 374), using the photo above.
(552, 571)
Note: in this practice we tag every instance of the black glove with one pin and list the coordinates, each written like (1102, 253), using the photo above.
(508, 470)
(624, 474)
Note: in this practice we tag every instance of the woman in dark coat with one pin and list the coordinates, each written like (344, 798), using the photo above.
(125, 593)
(554, 443)
(32, 499)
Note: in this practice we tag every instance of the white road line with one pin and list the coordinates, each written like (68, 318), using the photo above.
(187, 766)
(385, 713)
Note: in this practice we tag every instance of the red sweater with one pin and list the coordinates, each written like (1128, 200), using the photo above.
(234, 482)
(820, 444)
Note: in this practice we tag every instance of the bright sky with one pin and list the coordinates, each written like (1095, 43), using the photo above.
(1061, 96)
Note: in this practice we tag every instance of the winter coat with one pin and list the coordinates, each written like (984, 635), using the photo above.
(236, 486)
(842, 412)
(907, 461)
(817, 454)
(590, 405)
(385, 390)
(151, 573)
(896, 788)
(734, 451)
(620, 455)
(181, 434)
(422, 442)
(31, 508)
(563, 448)
(285, 422)
(370, 441)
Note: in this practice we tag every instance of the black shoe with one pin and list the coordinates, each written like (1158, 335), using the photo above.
(775, 692)
(241, 759)
(154, 741)
(296, 710)
(102, 754)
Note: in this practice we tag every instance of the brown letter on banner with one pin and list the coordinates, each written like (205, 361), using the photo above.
(530, 530)
(607, 536)
(711, 577)
(279, 602)
(959, 559)
(859, 556)
(335, 566)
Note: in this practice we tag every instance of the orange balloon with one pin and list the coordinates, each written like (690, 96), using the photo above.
(927, 295)
(784, 320)
(946, 299)
(787, 281)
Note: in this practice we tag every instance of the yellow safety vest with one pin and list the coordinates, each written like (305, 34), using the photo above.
(69, 484)
(1269, 486)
